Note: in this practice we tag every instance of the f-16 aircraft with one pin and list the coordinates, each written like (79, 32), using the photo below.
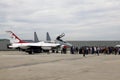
(31, 47)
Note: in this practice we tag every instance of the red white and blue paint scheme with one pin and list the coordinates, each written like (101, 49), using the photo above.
(30, 47)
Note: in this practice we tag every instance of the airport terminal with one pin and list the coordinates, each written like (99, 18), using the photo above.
(5, 42)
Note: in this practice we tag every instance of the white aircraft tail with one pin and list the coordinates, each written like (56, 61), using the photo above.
(15, 38)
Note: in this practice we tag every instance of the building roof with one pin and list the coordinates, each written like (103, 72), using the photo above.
(94, 43)
(4, 39)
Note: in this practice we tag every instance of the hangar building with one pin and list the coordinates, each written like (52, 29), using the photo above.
(94, 43)
(4, 43)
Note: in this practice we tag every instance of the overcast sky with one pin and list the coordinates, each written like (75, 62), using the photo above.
(78, 19)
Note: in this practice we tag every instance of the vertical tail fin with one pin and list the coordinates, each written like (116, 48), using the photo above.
(48, 37)
(13, 36)
(36, 37)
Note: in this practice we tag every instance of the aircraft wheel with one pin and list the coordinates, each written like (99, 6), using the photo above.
(30, 52)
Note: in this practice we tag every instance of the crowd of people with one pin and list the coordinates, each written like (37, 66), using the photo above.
(85, 50)
(94, 50)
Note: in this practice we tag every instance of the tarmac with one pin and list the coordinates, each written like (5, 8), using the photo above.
(16, 65)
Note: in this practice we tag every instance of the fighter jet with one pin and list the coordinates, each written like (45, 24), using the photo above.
(30, 47)
(63, 44)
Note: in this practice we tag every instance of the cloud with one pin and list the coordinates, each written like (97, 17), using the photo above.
(78, 19)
